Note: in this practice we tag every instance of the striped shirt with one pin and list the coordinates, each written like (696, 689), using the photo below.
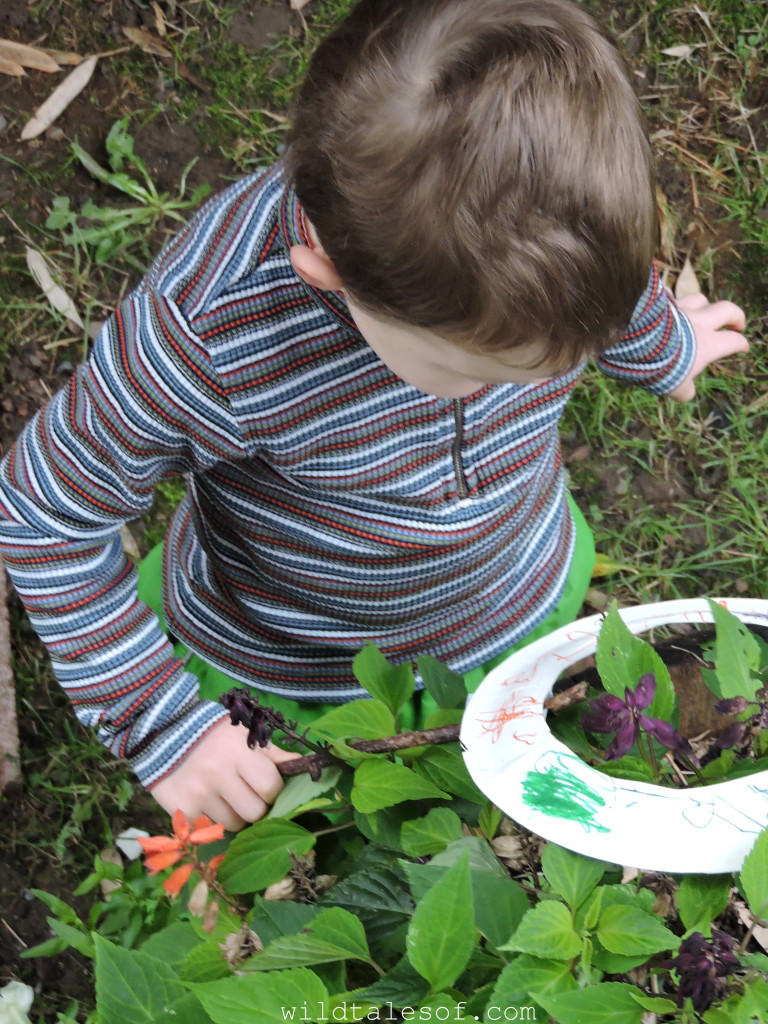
(330, 503)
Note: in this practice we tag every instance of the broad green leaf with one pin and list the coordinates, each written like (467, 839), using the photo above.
(737, 656)
(572, 875)
(401, 986)
(481, 856)
(133, 988)
(334, 934)
(432, 833)
(489, 820)
(442, 683)
(359, 719)
(607, 1003)
(172, 944)
(264, 998)
(500, 905)
(261, 854)
(204, 963)
(383, 827)
(628, 767)
(301, 790)
(444, 766)
(271, 919)
(702, 898)
(630, 931)
(656, 1004)
(547, 932)
(622, 658)
(754, 876)
(377, 896)
(393, 685)
(528, 977)
(441, 935)
(382, 783)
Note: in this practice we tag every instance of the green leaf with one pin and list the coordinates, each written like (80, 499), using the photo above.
(481, 856)
(622, 658)
(377, 896)
(489, 820)
(131, 987)
(631, 931)
(572, 875)
(401, 986)
(547, 932)
(754, 876)
(334, 934)
(261, 854)
(442, 683)
(528, 976)
(737, 656)
(300, 791)
(204, 963)
(359, 719)
(430, 834)
(391, 684)
(607, 1003)
(382, 783)
(263, 998)
(702, 898)
(73, 936)
(271, 919)
(172, 944)
(500, 905)
(441, 936)
(444, 766)
(628, 767)
(655, 1004)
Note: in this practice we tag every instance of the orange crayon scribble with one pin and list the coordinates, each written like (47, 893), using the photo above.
(529, 738)
(493, 722)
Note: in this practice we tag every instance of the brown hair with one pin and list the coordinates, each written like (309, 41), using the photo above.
(479, 168)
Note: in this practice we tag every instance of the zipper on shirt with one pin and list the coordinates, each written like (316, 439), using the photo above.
(461, 480)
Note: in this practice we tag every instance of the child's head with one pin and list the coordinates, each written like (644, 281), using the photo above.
(479, 168)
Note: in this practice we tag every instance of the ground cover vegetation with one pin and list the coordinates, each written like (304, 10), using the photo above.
(675, 494)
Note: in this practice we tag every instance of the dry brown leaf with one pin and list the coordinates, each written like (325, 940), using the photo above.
(147, 42)
(63, 56)
(159, 18)
(60, 99)
(687, 283)
(747, 918)
(678, 51)
(55, 294)
(27, 56)
(10, 67)
(298, 5)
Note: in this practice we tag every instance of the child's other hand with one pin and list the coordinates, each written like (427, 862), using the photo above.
(224, 779)
(712, 342)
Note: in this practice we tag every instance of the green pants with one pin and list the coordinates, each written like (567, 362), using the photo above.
(214, 682)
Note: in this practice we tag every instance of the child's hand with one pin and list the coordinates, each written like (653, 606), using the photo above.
(224, 779)
(712, 341)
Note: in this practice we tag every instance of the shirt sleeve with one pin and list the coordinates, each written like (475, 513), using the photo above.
(147, 405)
(658, 348)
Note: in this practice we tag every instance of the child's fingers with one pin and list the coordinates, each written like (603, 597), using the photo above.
(277, 755)
(220, 810)
(725, 314)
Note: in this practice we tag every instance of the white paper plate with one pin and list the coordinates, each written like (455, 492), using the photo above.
(536, 780)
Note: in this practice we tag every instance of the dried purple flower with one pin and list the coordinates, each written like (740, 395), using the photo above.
(612, 714)
(702, 966)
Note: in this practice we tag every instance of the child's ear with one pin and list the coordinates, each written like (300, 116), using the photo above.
(317, 269)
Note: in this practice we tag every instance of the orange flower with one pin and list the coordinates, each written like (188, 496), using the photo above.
(206, 834)
(159, 861)
(213, 864)
(159, 844)
(178, 879)
(181, 827)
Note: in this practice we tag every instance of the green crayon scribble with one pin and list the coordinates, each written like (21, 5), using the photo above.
(563, 796)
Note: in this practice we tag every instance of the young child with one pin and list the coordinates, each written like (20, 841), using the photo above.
(359, 360)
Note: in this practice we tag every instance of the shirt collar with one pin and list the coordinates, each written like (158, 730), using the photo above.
(295, 232)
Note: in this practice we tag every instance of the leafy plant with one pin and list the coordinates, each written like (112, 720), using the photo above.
(423, 917)
(108, 231)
